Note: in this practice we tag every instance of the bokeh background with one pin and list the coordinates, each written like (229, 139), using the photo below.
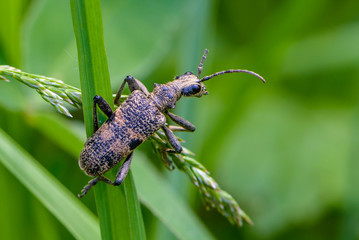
(287, 151)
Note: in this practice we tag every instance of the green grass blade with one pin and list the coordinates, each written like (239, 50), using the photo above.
(56, 198)
(94, 75)
(118, 208)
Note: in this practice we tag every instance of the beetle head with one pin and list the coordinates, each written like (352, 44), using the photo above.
(192, 86)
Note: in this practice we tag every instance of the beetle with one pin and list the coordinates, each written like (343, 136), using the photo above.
(136, 119)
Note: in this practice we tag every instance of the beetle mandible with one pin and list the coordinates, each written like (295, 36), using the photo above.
(136, 119)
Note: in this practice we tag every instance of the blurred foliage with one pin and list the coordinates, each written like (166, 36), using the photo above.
(287, 150)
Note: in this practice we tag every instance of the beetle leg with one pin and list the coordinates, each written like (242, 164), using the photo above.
(121, 174)
(169, 150)
(172, 139)
(104, 179)
(133, 84)
(105, 108)
(177, 128)
(181, 121)
(168, 163)
(88, 187)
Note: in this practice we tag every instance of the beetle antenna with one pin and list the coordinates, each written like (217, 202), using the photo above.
(200, 67)
(231, 71)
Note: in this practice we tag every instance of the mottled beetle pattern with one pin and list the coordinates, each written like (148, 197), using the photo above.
(130, 125)
(136, 119)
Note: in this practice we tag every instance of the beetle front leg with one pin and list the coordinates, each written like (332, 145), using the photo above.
(133, 84)
(182, 122)
(105, 108)
(172, 140)
(177, 128)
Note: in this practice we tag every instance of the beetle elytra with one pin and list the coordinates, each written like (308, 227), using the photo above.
(136, 119)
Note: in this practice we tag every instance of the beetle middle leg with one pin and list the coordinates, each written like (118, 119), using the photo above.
(177, 148)
(184, 126)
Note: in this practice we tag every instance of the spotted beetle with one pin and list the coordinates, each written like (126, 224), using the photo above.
(136, 119)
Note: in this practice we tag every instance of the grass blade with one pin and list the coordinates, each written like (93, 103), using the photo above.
(56, 198)
(118, 208)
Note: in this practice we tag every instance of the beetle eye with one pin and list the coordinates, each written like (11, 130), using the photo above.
(191, 90)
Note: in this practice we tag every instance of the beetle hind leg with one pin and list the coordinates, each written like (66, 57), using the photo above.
(177, 148)
(87, 188)
(121, 174)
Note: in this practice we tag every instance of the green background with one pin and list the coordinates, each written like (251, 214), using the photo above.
(287, 150)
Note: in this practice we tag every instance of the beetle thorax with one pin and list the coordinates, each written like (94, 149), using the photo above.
(165, 96)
